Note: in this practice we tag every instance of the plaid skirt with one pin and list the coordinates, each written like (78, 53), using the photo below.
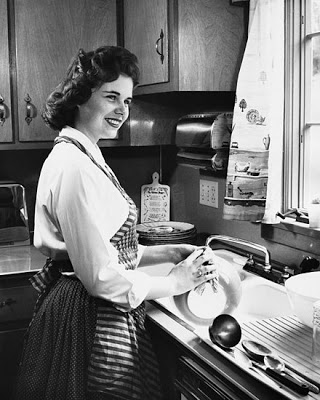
(82, 348)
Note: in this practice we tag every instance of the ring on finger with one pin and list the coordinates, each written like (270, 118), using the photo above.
(199, 272)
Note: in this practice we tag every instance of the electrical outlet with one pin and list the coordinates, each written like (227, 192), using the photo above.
(209, 193)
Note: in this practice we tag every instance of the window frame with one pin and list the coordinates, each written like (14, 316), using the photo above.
(291, 232)
(292, 116)
(297, 85)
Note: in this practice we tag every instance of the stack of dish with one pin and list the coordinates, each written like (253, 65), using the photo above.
(166, 232)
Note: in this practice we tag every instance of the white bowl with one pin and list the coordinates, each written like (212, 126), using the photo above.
(303, 290)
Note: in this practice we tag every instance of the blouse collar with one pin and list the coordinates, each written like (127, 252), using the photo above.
(92, 148)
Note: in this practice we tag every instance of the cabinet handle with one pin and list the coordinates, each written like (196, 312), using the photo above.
(3, 113)
(160, 39)
(30, 109)
(7, 302)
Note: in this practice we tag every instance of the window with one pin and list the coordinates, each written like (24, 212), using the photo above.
(302, 103)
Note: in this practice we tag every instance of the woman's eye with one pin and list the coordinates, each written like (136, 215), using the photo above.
(111, 97)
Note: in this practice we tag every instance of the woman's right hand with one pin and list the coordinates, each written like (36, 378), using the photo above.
(200, 266)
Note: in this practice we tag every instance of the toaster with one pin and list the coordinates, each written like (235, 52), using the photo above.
(203, 140)
(14, 227)
(204, 131)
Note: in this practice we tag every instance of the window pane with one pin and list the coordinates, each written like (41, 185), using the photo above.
(315, 80)
(311, 164)
(315, 16)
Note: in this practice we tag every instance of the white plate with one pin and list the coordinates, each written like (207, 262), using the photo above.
(164, 228)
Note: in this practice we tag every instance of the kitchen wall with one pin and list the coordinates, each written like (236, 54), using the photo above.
(184, 183)
(133, 166)
(286, 243)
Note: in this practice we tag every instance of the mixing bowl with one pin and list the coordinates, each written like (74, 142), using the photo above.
(303, 290)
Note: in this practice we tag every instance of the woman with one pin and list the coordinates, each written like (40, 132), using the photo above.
(87, 339)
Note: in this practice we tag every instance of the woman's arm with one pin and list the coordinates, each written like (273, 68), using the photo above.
(168, 253)
(185, 275)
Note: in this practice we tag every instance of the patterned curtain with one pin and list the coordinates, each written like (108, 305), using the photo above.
(254, 175)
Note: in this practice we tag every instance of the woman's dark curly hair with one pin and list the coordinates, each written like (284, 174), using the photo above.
(86, 72)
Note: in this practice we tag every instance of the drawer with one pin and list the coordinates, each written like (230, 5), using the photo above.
(17, 303)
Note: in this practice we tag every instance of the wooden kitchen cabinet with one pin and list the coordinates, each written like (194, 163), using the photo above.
(5, 94)
(17, 300)
(201, 43)
(146, 35)
(44, 36)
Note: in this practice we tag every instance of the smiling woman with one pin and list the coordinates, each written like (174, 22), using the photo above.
(87, 339)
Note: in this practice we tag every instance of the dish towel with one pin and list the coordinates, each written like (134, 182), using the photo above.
(254, 174)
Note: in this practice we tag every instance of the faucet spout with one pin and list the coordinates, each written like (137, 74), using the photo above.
(256, 246)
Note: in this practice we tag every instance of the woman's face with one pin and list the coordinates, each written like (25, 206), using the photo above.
(106, 110)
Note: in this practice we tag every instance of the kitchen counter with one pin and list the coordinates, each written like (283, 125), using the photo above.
(215, 361)
(20, 259)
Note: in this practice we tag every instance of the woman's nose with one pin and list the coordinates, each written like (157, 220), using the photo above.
(121, 108)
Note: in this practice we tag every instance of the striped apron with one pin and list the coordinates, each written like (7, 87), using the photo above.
(118, 359)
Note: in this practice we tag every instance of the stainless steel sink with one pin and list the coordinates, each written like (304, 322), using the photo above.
(265, 315)
(260, 298)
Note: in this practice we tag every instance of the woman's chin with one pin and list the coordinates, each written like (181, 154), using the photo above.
(111, 135)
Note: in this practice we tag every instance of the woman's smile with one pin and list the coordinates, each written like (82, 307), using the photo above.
(115, 123)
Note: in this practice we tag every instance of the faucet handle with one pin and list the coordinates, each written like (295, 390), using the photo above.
(250, 261)
(286, 273)
(308, 264)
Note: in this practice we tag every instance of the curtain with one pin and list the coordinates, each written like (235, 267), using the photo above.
(254, 174)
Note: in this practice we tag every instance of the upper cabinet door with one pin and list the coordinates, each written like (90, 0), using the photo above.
(212, 39)
(146, 35)
(5, 98)
(203, 43)
(48, 35)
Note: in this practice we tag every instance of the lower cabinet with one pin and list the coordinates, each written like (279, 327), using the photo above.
(185, 376)
(17, 300)
(11, 344)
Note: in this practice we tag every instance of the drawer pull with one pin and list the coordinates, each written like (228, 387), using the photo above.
(3, 111)
(7, 302)
(30, 109)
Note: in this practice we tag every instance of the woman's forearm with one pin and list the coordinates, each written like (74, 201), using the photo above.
(168, 253)
(161, 287)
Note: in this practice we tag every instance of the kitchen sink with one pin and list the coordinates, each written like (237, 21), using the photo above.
(260, 298)
(265, 316)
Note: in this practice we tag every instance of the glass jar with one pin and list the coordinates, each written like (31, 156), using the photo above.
(316, 333)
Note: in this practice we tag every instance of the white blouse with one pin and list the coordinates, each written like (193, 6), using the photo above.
(78, 210)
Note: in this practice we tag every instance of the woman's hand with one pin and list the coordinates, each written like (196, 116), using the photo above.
(197, 268)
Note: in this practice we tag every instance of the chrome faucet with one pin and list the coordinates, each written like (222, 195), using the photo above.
(222, 238)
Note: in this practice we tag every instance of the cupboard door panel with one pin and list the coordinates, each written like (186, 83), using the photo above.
(11, 345)
(5, 99)
(48, 35)
(210, 45)
(144, 20)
